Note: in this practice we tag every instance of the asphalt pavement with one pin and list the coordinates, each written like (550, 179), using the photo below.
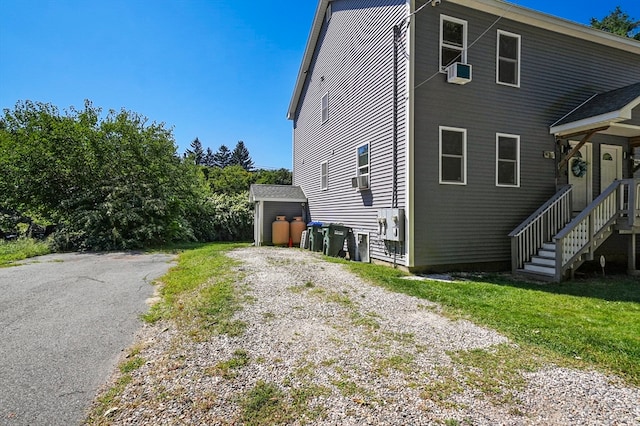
(64, 321)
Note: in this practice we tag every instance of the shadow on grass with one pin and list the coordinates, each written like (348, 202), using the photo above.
(612, 288)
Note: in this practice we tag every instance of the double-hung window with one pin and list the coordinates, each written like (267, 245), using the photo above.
(453, 155)
(507, 160)
(325, 107)
(363, 166)
(508, 59)
(324, 175)
(453, 41)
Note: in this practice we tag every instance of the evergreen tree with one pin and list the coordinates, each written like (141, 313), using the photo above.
(196, 152)
(208, 158)
(240, 156)
(222, 158)
(618, 22)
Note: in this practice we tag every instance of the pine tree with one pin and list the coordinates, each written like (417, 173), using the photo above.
(221, 158)
(240, 156)
(618, 22)
(196, 152)
(208, 158)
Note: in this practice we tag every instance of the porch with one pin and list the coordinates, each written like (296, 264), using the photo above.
(566, 231)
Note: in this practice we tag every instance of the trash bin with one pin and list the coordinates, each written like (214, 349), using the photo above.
(334, 237)
(314, 229)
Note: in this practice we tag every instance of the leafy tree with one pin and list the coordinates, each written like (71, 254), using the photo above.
(618, 22)
(229, 180)
(273, 177)
(240, 156)
(114, 183)
(196, 152)
(222, 158)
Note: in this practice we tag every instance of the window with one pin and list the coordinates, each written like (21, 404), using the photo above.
(363, 166)
(325, 107)
(453, 155)
(453, 41)
(324, 173)
(507, 160)
(508, 61)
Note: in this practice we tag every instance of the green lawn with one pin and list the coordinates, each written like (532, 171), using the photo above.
(594, 322)
(11, 251)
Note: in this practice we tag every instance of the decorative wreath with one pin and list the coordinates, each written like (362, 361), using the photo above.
(579, 167)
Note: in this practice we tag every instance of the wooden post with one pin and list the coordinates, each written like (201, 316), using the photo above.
(632, 255)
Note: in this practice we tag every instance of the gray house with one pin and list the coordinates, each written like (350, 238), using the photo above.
(470, 134)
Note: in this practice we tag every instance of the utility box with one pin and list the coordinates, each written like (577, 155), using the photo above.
(391, 224)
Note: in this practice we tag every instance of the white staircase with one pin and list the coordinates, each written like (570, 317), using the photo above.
(544, 263)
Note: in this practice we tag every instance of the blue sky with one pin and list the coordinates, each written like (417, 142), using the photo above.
(219, 70)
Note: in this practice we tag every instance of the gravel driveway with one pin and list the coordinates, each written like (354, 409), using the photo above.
(339, 351)
(64, 320)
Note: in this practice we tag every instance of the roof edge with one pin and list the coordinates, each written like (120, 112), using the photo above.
(495, 7)
(316, 27)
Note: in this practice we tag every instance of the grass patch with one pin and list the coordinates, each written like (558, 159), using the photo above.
(199, 292)
(131, 365)
(590, 322)
(264, 405)
(227, 369)
(24, 248)
(107, 400)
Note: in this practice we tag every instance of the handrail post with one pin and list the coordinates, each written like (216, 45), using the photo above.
(559, 258)
(633, 189)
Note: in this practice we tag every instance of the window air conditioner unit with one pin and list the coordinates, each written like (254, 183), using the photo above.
(459, 73)
(354, 182)
(363, 182)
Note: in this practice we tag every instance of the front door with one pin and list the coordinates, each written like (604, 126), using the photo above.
(580, 177)
(610, 165)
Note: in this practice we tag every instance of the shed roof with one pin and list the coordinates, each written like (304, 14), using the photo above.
(603, 109)
(286, 193)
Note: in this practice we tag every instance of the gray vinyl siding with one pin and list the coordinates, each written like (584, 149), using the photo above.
(467, 225)
(353, 63)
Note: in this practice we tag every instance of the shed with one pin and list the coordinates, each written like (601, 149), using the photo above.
(271, 201)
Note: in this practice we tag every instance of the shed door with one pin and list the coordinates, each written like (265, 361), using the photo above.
(582, 182)
(610, 165)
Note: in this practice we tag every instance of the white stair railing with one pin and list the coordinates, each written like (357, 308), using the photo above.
(540, 227)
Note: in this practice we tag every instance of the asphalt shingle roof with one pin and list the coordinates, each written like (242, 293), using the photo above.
(261, 192)
(602, 103)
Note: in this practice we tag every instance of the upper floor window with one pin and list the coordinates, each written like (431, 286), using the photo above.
(453, 41)
(453, 155)
(508, 60)
(507, 160)
(325, 107)
(363, 166)
(324, 175)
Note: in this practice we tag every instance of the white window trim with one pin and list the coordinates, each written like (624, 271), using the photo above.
(464, 155)
(324, 175)
(464, 40)
(323, 109)
(368, 174)
(517, 138)
(519, 38)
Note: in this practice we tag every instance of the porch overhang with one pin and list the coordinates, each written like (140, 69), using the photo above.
(605, 112)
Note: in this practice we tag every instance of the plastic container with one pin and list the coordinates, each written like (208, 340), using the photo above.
(295, 230)
(280, 231)
(315, 236)
(334, 237)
